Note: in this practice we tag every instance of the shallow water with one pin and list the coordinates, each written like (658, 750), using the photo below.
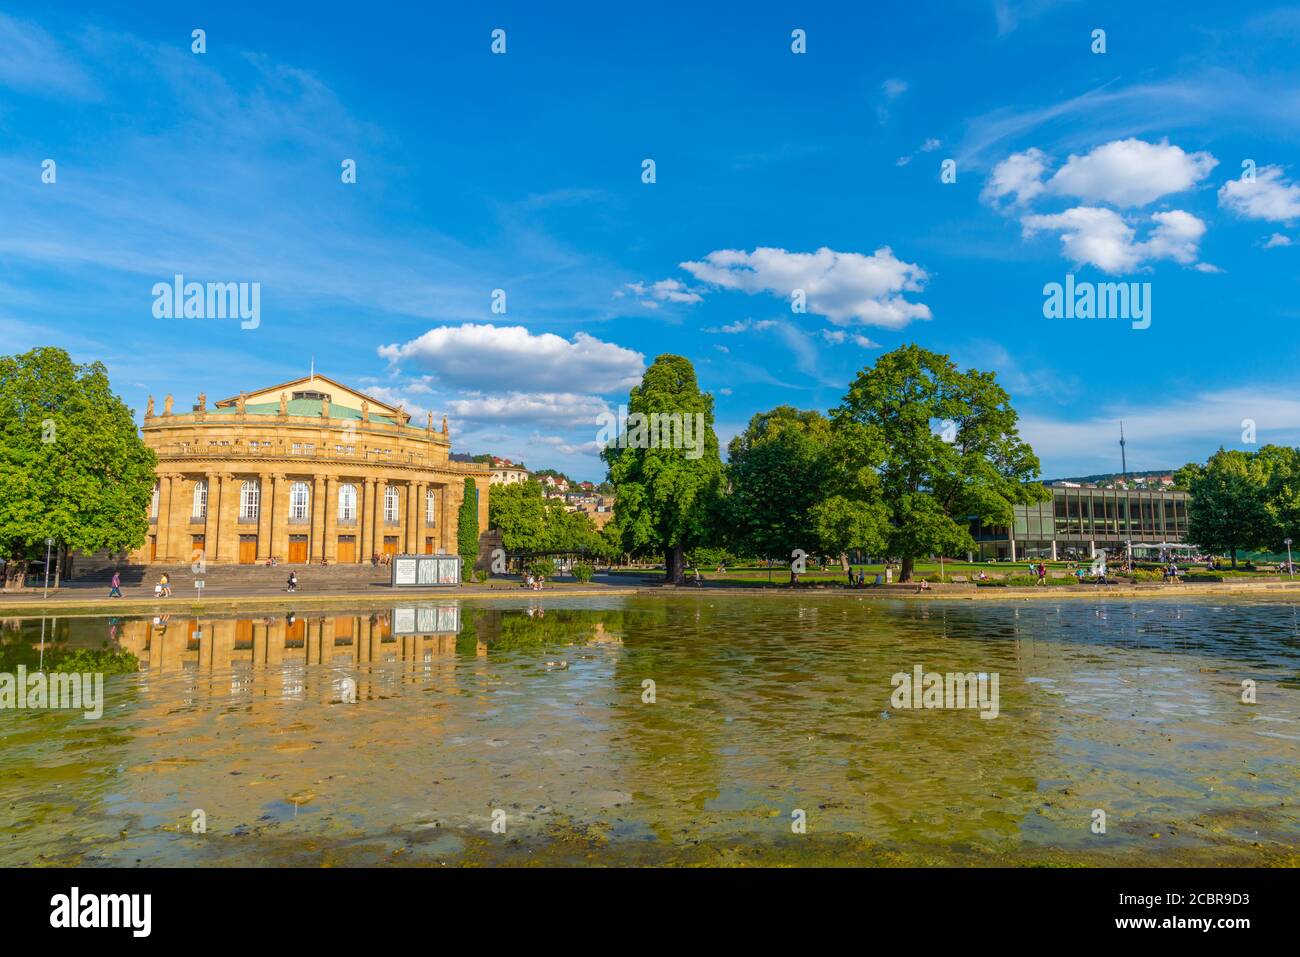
(531, 713)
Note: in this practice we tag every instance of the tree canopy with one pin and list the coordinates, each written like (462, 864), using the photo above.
(667, 493)
(72, 464)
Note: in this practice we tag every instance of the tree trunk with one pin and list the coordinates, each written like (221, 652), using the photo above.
(674, 570)
(1234, 558)
(905, 573)
(844, 561)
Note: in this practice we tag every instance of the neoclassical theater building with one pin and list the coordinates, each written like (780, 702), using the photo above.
(305, 471)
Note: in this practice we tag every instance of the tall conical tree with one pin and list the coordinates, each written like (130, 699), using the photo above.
(667, 493)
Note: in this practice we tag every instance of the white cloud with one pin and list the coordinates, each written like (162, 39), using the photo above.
(33, 61)
(742, 325)
(553, 408)
(894, 87)
(1131, 172)
(844, 287)
(839, 337)
(1019, 175)
(566, 446)
(1091, 234)
(471, 354)
(1277, 239)
(930, 145)
(665, 290)
(1270, 196)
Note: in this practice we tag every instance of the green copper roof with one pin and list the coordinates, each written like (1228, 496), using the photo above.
(306, 407)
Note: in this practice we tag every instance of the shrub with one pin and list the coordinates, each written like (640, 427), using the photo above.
(542, 566)
(582, 571)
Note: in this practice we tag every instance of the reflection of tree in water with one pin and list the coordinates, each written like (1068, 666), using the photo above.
(504, 630)
(82, 645)
(672, 758)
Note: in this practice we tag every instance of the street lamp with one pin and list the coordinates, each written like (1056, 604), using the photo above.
(48, 542)
(1289, 567)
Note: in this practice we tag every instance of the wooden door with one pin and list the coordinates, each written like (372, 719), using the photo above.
(297, 549)
(428, 546)
(347, 550)
(153, 548)
(248, 549)
(390, 544)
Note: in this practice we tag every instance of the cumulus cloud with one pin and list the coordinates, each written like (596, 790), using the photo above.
(1277, 239)
(1128, 172)
(839, 337)
(1131, 172)
(567, 446)
(742, 325)
(1268, 196)
(472, 354)
(1091, 234)
(844, 287)
(553, 408)
(665, 290)
(1020, 176)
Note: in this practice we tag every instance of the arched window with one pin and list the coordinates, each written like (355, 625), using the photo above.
(347, 503)
(153, 508)
(250, 496)
(201, 498)
(430, 507)
(299, 501)
(390, 505)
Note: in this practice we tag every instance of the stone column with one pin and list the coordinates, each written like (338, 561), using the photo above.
(326, 647)
(412, 528)
(366, 520)
(447, 532)
(331, 519)
(214, 513)
(280, 517)
(228, 527)
(265, 506)
(378, 529)
(167, 484)
(316, 544)
(421, 493)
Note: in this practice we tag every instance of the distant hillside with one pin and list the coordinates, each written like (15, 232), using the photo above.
(1112, 476)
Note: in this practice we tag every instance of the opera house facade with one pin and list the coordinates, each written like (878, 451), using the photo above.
(307, 471)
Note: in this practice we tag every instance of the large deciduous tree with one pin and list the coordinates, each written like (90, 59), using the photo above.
(779, 470)
(72, 464)
(949, 450)
(1229, 509)
(668, 493)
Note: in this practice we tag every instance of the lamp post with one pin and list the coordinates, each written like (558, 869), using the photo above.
(48, 543)
(1289, 567)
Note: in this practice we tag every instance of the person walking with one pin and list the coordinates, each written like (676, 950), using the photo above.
(115, 589)
(292, 584)
(166, 585)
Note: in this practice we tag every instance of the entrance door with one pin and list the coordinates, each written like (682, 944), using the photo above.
(390, 544)
(428, 546)
(248, 549)
(347, 549)
(153, 548)
(297, 549)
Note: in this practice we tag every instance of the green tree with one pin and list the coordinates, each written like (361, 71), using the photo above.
(779, 471)
(667, 492)
(467, 528)
(517, 512)
(72, 464)
(946, 448)
(1228, 508)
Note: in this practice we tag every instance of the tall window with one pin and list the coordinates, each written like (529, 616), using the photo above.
(347, 503)
(250, 495)
(299, 499)
(153, 508)
(430, 507)
(201, 498)
(390, 504)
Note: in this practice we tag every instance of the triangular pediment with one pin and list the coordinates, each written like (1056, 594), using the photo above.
(338, 393)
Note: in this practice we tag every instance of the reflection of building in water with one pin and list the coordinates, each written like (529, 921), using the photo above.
(175, 642)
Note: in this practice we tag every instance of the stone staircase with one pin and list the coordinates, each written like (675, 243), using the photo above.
(182, 576)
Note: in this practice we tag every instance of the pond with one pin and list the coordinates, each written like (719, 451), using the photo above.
(664, 730)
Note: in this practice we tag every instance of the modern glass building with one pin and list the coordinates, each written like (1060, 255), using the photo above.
(1076, 522)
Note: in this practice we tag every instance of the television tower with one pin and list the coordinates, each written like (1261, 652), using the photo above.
(1123, 459)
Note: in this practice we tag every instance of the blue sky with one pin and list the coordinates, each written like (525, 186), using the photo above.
(774, 171)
